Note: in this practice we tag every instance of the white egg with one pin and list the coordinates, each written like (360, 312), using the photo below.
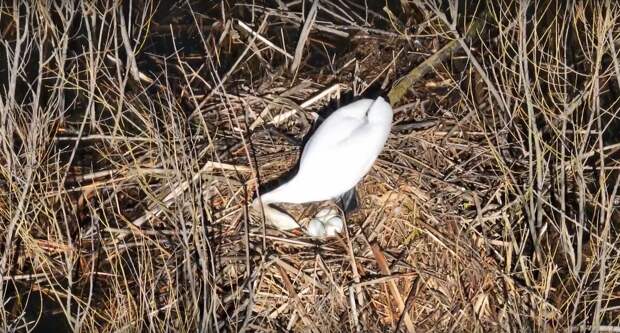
(333, 226)
(326, 223)
(326, 213)
(316, 228)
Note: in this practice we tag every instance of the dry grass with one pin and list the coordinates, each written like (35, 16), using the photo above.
(133, 134)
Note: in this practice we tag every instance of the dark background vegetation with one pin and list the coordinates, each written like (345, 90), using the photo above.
(133, 134)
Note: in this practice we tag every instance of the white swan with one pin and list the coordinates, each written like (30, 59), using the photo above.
(335, 158)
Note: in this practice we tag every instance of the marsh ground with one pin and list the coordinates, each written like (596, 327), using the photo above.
(133, 134)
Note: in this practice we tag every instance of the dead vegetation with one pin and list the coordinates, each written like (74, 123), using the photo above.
(133, 134)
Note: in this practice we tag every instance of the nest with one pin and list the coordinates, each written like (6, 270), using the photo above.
(133, 136)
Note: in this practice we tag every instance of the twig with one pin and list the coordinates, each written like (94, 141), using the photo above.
(404, 83)
(303, 37)
(384, 268)
(263, 39)
(285, 115)
(178, 190)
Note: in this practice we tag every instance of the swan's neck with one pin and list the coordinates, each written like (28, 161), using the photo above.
(287, 192)
(278, 218)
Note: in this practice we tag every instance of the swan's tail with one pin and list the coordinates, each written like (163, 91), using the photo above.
(278, 218)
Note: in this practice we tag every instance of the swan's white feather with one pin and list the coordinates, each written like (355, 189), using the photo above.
(338, 126)
(339, 153)
(356, 109)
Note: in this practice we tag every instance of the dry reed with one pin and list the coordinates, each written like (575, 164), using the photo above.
(133, 134)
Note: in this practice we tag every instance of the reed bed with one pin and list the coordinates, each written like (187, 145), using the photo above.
(133, 135)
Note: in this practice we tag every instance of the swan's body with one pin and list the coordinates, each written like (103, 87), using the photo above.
(336, 157)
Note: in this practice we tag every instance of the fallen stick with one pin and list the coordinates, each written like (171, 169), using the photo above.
(383, 266)
(404, 83)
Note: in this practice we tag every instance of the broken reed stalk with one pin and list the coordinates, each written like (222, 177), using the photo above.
(404, 83)
(385, 269)
(190, 265)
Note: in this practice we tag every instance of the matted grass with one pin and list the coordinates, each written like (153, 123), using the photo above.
(133, 134)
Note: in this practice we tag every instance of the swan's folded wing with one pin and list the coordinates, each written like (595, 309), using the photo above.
(328, 136)
(338, 127)
(345, 162)
(356, 154)
(356, 109)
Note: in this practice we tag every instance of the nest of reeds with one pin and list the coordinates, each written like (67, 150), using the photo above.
(133, 135)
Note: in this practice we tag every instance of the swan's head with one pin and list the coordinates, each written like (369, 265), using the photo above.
(380, 111)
